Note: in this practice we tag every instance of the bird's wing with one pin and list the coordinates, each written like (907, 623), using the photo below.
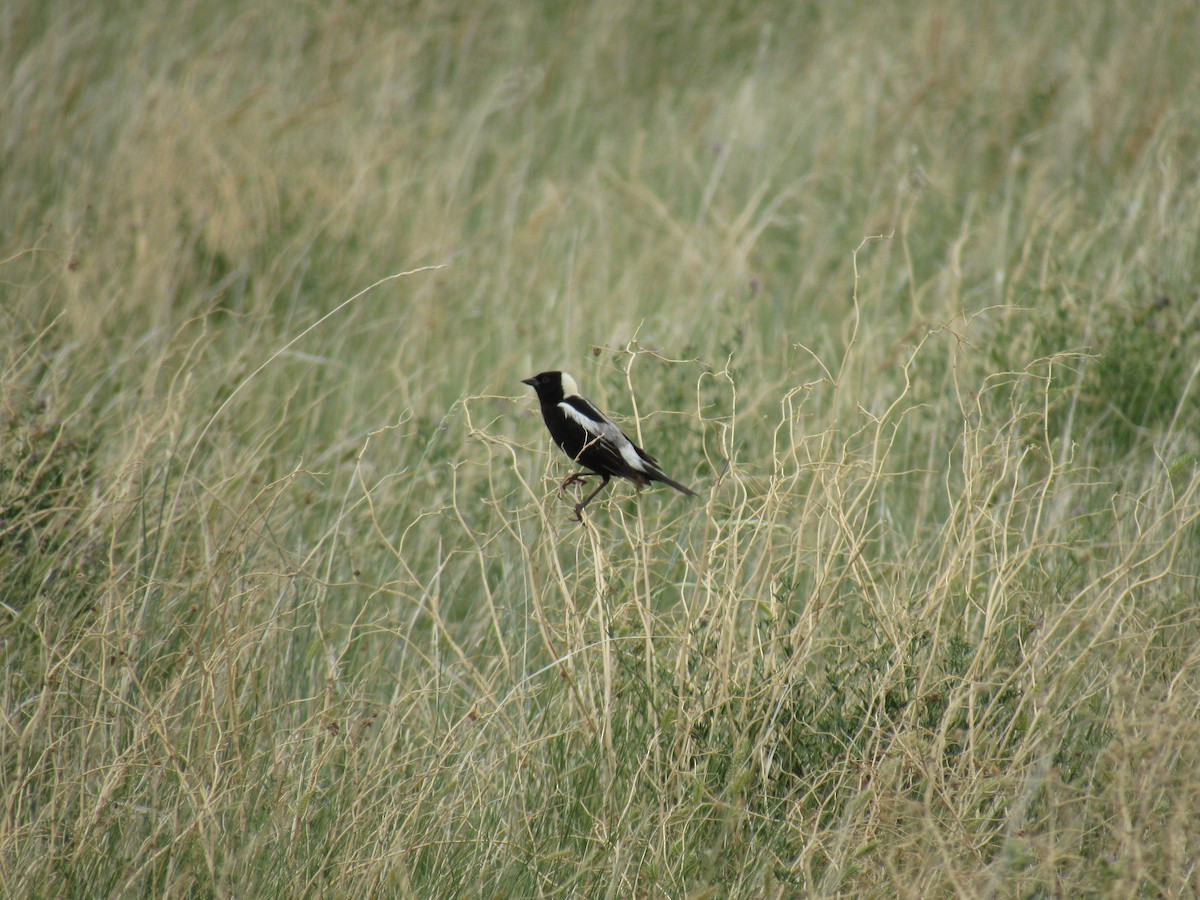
(604, 435)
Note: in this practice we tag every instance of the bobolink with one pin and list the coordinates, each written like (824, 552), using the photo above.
(591, 439)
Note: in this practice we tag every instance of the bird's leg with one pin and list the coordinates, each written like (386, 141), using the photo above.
(588, 499)
(573, 478)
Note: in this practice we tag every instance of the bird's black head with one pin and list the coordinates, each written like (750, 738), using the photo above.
(551, 387)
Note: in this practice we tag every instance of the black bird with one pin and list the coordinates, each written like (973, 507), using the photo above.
(591, 439)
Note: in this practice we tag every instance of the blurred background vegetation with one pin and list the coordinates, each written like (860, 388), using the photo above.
(290, 605)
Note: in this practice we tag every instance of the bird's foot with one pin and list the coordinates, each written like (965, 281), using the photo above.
(573, 478)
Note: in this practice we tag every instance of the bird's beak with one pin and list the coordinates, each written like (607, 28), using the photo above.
(532, 382)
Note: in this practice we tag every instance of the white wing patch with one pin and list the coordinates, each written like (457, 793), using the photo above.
(606, 431)
(630, 455)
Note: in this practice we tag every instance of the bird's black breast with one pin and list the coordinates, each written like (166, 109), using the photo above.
(568, 434)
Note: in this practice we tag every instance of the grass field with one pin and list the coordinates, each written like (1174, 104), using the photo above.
(291, 606)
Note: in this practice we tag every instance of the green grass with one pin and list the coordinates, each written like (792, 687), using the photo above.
(291, 605)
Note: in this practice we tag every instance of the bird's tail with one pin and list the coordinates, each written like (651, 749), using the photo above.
(659, 476)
